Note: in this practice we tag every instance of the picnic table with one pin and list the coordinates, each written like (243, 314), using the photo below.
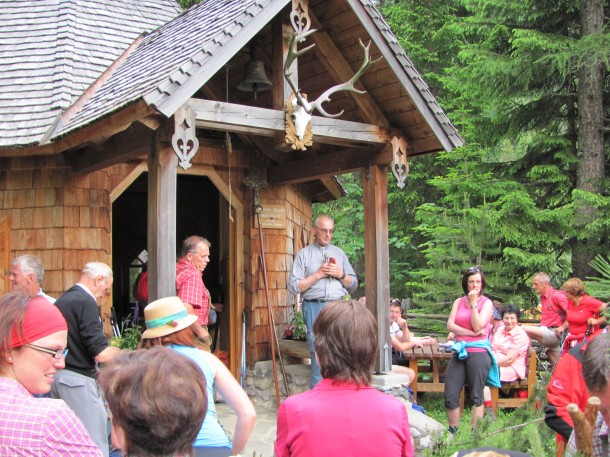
(429, 360)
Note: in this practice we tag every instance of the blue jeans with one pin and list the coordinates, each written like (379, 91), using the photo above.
(311, 309)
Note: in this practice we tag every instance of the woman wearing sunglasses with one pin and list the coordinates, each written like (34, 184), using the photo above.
(33, 338)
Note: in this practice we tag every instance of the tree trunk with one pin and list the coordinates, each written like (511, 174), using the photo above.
(591, 159)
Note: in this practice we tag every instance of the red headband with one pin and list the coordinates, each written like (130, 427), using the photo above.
(41, 319)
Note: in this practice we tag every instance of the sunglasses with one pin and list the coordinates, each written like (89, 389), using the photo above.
(473, 270)
(395, 301)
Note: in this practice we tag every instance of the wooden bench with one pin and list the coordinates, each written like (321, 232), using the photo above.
(528, 383)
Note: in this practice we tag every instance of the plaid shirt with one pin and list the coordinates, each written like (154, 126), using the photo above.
(190, 289)
(600, 440)
(40, 426)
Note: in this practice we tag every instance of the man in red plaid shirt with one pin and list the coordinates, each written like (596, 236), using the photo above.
(195, 256)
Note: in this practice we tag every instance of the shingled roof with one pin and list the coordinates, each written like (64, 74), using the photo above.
(178, 58)
(51, 51)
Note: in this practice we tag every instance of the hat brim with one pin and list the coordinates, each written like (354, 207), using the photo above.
(168, 329)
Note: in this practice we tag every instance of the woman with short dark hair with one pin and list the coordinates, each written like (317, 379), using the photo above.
(157, 400)
(343, 414)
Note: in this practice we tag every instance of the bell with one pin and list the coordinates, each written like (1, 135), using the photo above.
(255, 79)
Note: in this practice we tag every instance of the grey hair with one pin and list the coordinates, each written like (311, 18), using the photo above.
(97, 269)
(189, 245)
(543, 277)
(596, 363)
(317, 220)
(30, 264)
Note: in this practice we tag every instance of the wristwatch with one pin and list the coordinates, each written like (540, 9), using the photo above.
(343, 277)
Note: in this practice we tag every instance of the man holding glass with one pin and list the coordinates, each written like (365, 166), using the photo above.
(321, 273)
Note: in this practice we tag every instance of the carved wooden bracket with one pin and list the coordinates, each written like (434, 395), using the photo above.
(184, 139)
(299, 16)
(400, 165)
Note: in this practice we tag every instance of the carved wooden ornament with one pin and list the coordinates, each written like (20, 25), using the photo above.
(184, 139)
(400, 165)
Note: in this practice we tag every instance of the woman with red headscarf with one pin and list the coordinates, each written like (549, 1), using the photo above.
(33, 338)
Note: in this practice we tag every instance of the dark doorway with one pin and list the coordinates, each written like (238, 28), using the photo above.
(198, 203)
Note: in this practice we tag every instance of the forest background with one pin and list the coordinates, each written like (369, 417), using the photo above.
(526, 84)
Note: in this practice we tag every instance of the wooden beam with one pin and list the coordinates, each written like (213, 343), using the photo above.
(266, 122)
(130, 144)
(340, 70)
(330, 164)
(377, 257)
(162, 189)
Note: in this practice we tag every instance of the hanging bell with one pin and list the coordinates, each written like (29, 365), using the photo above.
(255, 79)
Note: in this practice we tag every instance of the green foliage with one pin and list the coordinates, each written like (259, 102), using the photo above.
(599, 287)
(129, 339)
(520, 429)
(297, 329)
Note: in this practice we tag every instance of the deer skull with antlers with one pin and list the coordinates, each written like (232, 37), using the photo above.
(301, 107)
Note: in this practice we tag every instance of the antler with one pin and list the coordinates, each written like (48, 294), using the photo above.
(293, 53)
(348, 85)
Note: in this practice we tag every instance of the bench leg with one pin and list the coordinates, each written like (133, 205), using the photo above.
(494, 398)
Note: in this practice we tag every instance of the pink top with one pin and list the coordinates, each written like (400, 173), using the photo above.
(190, 289)
(339, 419)
(502, 342)
(40, 427)
(462, 318)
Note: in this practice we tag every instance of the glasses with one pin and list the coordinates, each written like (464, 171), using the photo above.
(395, 301)
(56, 353)
(473, 270)
(329, 231)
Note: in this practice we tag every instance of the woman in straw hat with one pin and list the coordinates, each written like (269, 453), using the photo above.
(168, 324)
(33, 339)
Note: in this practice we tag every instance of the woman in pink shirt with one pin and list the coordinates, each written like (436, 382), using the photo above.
(33, 338)
(510, 344)
(470, 321)
(343, 414)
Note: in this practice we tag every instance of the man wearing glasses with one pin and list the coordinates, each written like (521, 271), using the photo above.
(321, 273)
(87, 346)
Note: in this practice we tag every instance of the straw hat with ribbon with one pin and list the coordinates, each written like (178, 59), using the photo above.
(165, 316)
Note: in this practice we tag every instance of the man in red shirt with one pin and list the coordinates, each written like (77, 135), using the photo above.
(194, 257)
(554, 305)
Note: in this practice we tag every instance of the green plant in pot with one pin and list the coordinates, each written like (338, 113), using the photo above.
(296, 330)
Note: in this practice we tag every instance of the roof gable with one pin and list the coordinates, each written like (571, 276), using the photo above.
(176, 60)
(51, 51)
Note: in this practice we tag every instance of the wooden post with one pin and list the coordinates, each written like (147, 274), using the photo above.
(162, 182)
(376, 257)
(281, 35)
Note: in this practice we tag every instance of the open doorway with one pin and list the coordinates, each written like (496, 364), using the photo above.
(199, 209)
